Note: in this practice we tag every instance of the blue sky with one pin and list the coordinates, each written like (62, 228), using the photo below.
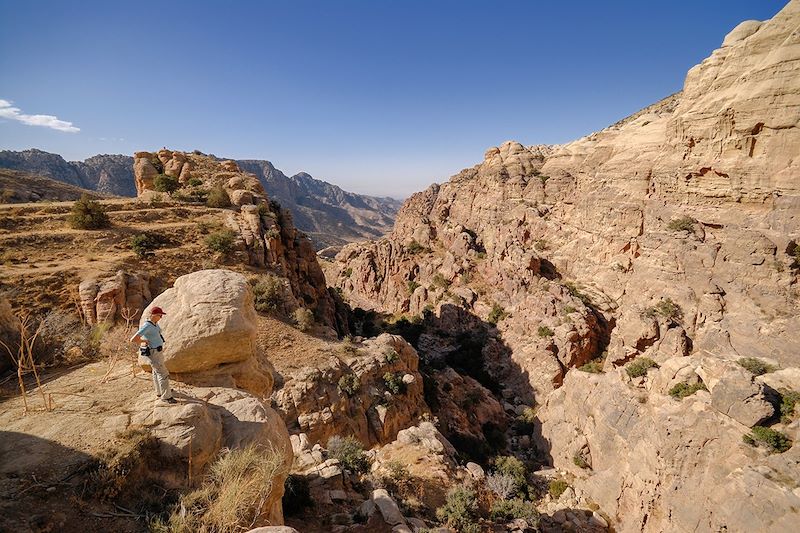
(378, 97)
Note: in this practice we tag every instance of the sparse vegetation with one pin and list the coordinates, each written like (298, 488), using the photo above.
(507, 510)
(508, 465)
(684, 223)
(775, 441)
(503, 486)
(221, 242)
(575, 292)
(350, 453)
(218, 197)
(87, 214)
(349, 385)
(524, 423)
(415, 248)
(682, 390)
(267, 291)
(580, 461)
(394, 382)
(348, 272)
(593, 367)
(460, 509)
(412, 286)
(497, 314)
(639, 367)
(440, 282)
(544, 178)
(194, 182)
(164, 183)
(390, 355)
(144, 244)
(557, 488)
(303, 318)
(789, 400)
(755, 366)
(544, 331)
(541, 245)
(232, 498)
(666, 308)
(568, 309)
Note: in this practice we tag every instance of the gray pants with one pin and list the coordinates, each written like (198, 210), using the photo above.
(160, 375)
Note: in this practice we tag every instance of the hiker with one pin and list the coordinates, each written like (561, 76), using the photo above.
(151, 343)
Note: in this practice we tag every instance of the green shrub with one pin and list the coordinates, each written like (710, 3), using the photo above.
(143, 244)
(167, 184)
(568, 309)
(579, 461)
(524, 423)
(496, 314)
(757, 367)
(682, 390)
(440, 282)
(639, 366)
(541, 245)
(348, 272)
(218, 197)
(480, 255)
(296, 495)
(575, 292)
(460, 509)
(788, 400)
(412, 286)
(87, 214)
(557, 488)
(267, 293)
(303, 318)
(544, 178)
(508, 465)
(592, 367)
(350, 454)
(682, 224)
(507, 510)
(774, 440)
(221, 242)
(349, 385)
(415, 248)
(544, 331)
(194, 182)
(394, 382)
(390, 355)
(666, 308)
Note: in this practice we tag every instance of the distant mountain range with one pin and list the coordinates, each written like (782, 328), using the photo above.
(331, 216)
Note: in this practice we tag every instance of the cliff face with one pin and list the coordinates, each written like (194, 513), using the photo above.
(112, 174)
(330, 215)
(670, 235)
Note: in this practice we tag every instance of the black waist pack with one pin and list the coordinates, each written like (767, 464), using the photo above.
(145, 352)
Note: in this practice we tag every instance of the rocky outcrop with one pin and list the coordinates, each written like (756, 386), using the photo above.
(649, 454)
(210, 332)
(328, 214)
(372, 391)
(121, 298)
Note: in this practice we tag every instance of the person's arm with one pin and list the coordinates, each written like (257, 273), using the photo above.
(138, 338)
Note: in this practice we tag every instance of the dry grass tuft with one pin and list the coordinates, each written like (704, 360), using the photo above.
(233, 496)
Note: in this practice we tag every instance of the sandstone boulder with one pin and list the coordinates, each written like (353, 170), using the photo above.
(210, 320)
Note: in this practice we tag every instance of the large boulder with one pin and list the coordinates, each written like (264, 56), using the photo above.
(210, 320)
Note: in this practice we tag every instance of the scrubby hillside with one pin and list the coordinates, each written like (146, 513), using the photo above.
(22, 187)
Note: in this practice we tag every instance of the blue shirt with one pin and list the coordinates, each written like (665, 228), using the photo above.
(151, 333)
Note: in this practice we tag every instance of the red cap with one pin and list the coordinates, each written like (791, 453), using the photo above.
(157, 311)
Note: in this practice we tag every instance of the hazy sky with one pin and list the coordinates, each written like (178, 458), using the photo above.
(378, 97)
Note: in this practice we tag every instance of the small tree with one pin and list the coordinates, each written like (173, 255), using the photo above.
(350, 453)
(460, 509)
(221, 241)
(218, 197)
(167, 184)
(86, 213)
(143, 244)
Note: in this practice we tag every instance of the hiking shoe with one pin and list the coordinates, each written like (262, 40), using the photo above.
(171, 400)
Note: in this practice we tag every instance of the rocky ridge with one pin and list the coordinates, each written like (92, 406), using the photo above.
(328, 214)
(670, 235)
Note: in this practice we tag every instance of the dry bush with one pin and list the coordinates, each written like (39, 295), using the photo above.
(123, 468)
(233, 497)
(303, 318)
(64, 339)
